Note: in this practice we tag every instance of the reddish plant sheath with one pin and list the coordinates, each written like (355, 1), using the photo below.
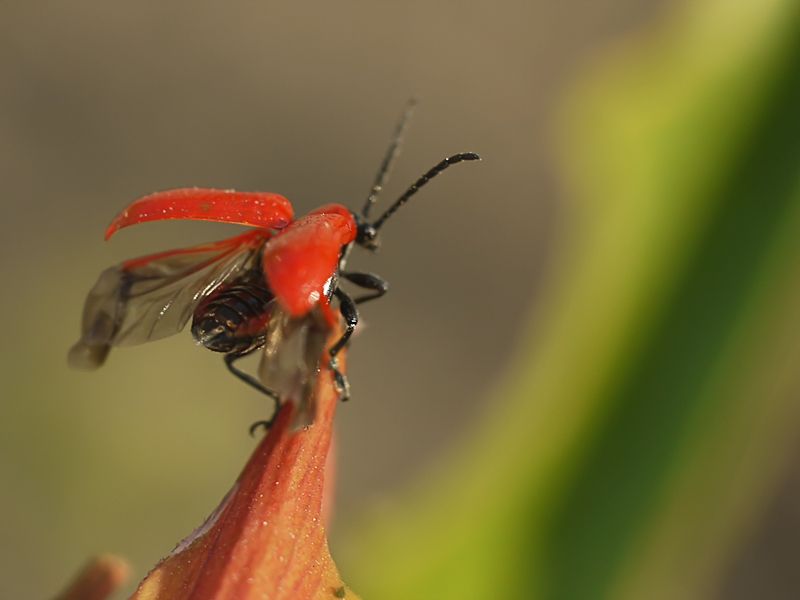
(267, 538)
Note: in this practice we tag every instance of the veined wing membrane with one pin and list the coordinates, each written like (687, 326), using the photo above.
(290, 361)
(154, 296)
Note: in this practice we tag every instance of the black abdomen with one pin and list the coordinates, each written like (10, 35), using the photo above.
(234, 319)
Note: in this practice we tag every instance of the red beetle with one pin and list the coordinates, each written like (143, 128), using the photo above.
(270, 288)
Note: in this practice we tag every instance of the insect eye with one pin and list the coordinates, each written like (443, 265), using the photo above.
(368, 237)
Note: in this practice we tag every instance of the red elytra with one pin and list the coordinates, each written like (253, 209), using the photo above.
(256, 209)
(257, 290)
(298, 260)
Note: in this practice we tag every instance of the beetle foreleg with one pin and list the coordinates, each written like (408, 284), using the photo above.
(368, 281)
(350, 313)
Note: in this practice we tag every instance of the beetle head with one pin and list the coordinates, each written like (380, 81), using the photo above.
(367, 235)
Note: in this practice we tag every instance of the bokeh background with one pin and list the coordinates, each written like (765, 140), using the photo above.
(583, 382)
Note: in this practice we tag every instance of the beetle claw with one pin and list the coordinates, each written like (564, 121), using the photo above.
(258, 425)
(340, 381)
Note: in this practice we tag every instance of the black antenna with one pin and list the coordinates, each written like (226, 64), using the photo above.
(388, 159)
(450, 160)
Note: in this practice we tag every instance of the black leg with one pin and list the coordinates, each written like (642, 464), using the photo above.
(254, 383)
(348, 309)
(264, 424)
(367, 281)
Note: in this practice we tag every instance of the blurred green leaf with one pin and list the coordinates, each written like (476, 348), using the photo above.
(640, 429)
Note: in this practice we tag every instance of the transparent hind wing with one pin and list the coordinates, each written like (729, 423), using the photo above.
(152, 297)
(291, 358)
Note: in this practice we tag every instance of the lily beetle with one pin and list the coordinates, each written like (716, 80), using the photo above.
(272, 289)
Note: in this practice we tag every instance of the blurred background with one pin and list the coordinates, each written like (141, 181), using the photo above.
(583, 382)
